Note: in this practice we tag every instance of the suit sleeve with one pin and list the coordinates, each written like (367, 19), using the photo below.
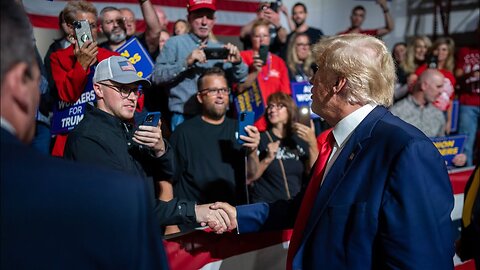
(414, 222)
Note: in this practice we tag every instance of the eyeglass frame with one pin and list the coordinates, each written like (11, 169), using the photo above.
(215, 91)
(278, 106)
(120, 89)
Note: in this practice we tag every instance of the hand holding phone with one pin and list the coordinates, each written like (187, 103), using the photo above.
(263, 53)
(244, 119)
(83, 32)
(304, 115)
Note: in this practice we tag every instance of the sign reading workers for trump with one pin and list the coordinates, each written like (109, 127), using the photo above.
(302, 94)
(138, 56)
(66, 116)
(250, 100)
(449, 146)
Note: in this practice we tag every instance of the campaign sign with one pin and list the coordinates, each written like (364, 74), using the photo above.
(66, 116)
(138, 56)
(302, 94)
(250, 100)
(449, 146)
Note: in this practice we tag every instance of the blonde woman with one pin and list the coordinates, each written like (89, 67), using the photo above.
(299, 58)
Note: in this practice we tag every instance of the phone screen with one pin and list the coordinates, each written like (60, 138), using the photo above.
(304, 115)
(216, 53)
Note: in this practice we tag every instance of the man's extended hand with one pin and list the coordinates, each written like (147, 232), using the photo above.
(151, 137)
(217, 219)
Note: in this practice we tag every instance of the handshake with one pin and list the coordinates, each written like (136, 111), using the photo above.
(219, 216)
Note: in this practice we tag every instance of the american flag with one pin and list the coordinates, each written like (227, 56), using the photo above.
(231, 14)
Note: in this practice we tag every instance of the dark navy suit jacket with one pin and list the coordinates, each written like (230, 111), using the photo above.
(384, 204)
(59, 215)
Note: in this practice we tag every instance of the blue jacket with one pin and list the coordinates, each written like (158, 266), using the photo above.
(384, 204)
(59, 215)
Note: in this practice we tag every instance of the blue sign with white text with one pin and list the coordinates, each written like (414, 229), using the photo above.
(138, 56)
(302, 94)
(66, 116)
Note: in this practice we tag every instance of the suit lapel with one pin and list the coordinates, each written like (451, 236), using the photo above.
(356, 143)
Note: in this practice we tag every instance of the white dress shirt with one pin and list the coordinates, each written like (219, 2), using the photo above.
(343, 130)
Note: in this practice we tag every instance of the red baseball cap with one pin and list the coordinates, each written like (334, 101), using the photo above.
(198, 4)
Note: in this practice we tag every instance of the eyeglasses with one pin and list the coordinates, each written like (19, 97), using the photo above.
(275, 106)
(122, 90)
(215, 91)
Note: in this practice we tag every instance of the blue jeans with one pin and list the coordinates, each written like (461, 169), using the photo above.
(177, 119)
(469, 119)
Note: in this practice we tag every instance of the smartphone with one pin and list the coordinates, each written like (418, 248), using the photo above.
(244, 119)
(151, 119)
(216, 53)
(304, 115)
(82, 32)
(274, 5)
(263, 53)
(432, 61)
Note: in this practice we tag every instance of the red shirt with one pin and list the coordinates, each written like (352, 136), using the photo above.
(70, 80)
(271, 79)
(468, 60)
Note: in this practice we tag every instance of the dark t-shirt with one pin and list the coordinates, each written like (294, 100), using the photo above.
(210, 164)
(270, 187)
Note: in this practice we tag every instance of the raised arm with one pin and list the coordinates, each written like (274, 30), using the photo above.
(153, 27)
(389, 25)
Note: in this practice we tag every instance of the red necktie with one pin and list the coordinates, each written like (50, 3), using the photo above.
(310, 194)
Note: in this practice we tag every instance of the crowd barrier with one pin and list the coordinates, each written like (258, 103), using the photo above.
(206, 250)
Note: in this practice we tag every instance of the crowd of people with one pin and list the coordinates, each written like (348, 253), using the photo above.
(191, 168)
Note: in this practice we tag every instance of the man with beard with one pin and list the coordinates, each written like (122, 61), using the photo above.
(210, 163)
(299, 17)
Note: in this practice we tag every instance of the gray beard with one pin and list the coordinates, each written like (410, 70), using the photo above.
(117, 38)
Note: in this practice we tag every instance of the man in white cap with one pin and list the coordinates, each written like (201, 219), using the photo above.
(105, 137)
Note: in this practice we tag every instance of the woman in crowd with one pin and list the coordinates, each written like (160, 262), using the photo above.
(71, 68)
(299, 58)
(415, 56)
(287, 151)
(271, 74)
(443, 59)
